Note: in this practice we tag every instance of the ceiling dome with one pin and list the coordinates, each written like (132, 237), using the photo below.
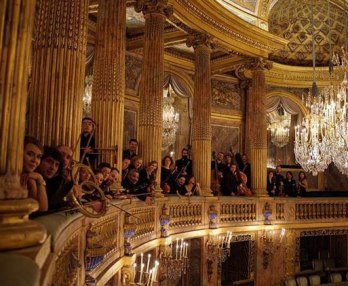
(291, 19)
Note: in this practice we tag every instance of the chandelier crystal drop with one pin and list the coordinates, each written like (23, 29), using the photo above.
(279, 127)
(170, 120)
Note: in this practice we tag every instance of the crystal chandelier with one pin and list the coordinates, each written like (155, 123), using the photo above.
(174, 258)
(170, 120)
(87, 96)
(218, 247)
(312, 138)
(279, 128)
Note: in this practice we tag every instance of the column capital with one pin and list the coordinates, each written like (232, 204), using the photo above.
(197, 40)
(154, 6)
(259, 64)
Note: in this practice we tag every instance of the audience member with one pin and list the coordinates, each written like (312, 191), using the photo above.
(179, 186)
(167, 173)
(302, 184)
(184, 164)
(271, 184)
(125, 166)
(191, 187)
(246, 169)
(290, 188)
(132, 149)
(87, 142)
(30, 179)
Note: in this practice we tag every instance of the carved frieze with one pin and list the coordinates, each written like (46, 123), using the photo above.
(226, 95)
(297, 91)
(133, 71)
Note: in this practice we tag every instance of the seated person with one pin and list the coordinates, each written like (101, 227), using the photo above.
(30, 179)
(242, 189)
(191, 187)
(99, 178)
(147, 176)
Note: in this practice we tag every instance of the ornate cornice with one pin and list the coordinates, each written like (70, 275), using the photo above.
(228, 29)
(154, 6)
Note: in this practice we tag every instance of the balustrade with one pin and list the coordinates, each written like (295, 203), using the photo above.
(101, 247)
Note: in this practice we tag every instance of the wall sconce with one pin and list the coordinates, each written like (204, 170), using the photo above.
(144, 274)
(218, 247)
(270, 243)
(174, 258)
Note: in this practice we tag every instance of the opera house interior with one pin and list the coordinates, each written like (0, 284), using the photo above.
(173, 142)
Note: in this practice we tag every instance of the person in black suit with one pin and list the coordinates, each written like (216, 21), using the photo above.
(184, 165)
(87, 142)
(132, 149)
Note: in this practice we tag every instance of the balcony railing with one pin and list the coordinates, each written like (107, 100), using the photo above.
(100, 244)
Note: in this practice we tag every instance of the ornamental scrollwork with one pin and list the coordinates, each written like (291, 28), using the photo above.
(197, 39)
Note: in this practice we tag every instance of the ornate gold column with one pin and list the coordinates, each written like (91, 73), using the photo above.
(256, 114)
(201, 127)
(151, 88)
(244, 92)
(109, 78)
(16, 24)
(55, 109)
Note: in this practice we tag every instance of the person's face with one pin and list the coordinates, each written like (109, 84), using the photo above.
(181, 180)
(31, 158)
(125, 164)
(288, 176)
(87, 126)
(99, 179)
(115, 176)
(153, 167)
(67, 155)
(84, 175)
(270, 175)
(233, 168)
(220, 156)
(245, 158)
(48, 167)
(106, 172)
(279, 169)
(192, 180)
(228, 159)
(134, 177)
(302, 175)
(133, 146)
(138, 163)
(184, 153)
(167, 162)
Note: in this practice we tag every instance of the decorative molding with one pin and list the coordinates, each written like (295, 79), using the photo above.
(197, 40)
(226, 95)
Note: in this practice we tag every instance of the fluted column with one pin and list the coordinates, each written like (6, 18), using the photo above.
(59, 56)
(16, 24)
(256, 115)
(109, 78)
(244, 92)
(151, 88)
(201, 127)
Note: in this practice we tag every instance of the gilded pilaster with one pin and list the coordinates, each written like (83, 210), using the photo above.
(151, 88)
(109, 78)
(256, 114)
(59, 56)
(201, 122)
(16, 25)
